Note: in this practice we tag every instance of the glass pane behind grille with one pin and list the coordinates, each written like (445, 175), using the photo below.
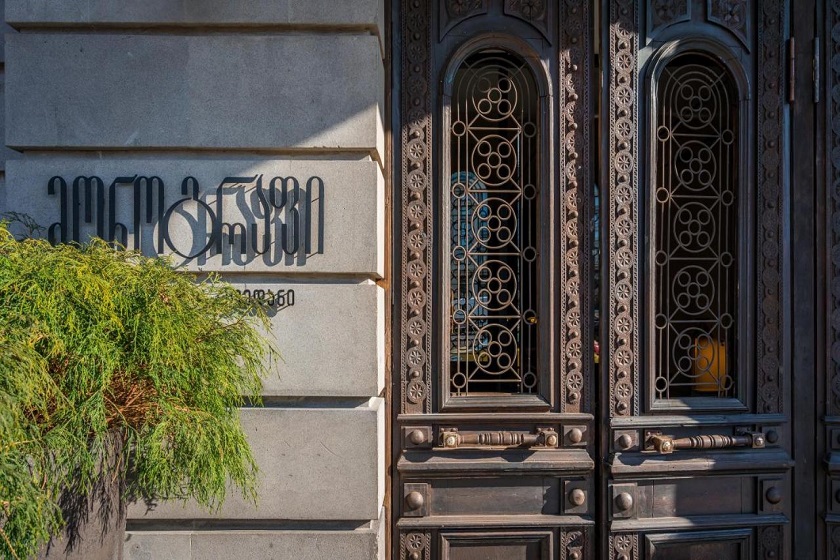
(494, 186)
(696, 237)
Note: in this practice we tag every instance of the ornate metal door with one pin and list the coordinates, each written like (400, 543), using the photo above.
(514, 435)
(696, 410)
(494, 433)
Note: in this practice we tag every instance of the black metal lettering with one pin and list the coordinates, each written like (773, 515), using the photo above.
(291, 239)
(88, 184)
(149, 185)
(264, 212)
(296, 211)
(232, 231)
(60, 185)
(113, 225)
(314, 243)
(278, 300)
(219, 224)
(189, 184)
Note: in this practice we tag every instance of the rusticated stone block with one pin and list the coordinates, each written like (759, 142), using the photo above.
(316, 463)
(162, 545)
(331, 336)
(366, 14)
(257, 91)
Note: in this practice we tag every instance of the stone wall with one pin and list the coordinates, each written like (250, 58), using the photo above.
(244, 137)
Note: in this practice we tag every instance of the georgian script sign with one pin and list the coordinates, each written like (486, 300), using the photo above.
(243, 217)
(275, 300)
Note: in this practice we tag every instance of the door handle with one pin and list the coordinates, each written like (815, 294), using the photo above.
(664, 445)
(451, 439)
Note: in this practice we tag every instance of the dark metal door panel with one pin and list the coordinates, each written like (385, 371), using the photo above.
(493, 424)
(700, 545)
(727, 542)
(501, 546)
(696, 410)
(485, 539)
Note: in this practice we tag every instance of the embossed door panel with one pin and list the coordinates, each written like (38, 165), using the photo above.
(696, 408)
(734, 544)
(478, 546)
(493, 425)
(488, 539)
(738, 543)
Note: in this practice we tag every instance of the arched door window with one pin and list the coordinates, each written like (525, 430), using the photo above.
(493, 212)
(697, 294)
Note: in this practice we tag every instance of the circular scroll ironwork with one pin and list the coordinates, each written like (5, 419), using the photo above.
(493, 202)
(696, 229)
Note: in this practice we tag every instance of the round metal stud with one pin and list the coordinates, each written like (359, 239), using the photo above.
(417, 437)
(575, 435)
(577, 497)
(773, 495)
(625, 441)
(551, 440)
(624, 501)
(414, 500)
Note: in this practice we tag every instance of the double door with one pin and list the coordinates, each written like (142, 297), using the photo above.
(600, 280)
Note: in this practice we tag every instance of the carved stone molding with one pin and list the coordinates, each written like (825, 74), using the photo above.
(833, 187)
(575, 57)
(416, 250)
(624, 546)
(415, 546)
(622, 213)
(770, 212)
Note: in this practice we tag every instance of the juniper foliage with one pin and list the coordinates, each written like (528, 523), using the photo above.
(97, 343)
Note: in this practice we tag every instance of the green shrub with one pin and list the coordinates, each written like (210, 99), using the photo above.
(97, 343)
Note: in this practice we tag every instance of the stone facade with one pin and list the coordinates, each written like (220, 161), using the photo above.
(252, 136)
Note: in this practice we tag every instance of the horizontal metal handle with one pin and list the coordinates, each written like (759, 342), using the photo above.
(451, 439)
(668, 444)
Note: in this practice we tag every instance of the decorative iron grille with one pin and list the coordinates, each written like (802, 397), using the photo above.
(494, 256)
(696, 230)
